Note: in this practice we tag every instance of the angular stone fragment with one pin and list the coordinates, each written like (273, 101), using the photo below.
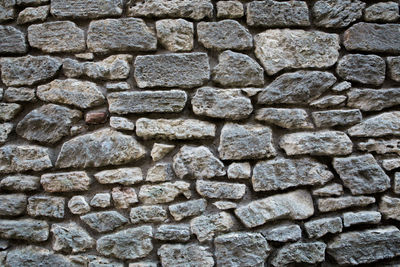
(148, 214)
(78, 205)
(239, 170)
(289, 118)
(159, 151)
(173, 255)
(124, 176)
(12, 204)
(96, 116)
(125, 34)
(282, 233)
(128, 244)
(371, 37)
(14, 158)
(163, 193)
(380, 146)
(31, 2)
(365, 246)
(225, 205)
(220, 189)
(104, 221)
(361, 217)
(169, 232)
(185, 70)
(236, 69)
(100, 148)
(387, 164)
(340, 87)
(294, 49)
(187, 209)
(176, 35)
(117, 86)
(141, 264)
(33, 14)
(270, 13)
(387, 123)
(300, 252)
(71, 238)
(389, 207)
(230, 9)
(47, 206)
(101, 200)
(7, 11)
(19, 94)
(333, 118)
(161, 172)
(8, 111)
(329, 101)
(383, 11)
(373, 100)
(205, 227)
(332, 204)
(295, 205)
(5, 130)
(20, 182)
(28, 70)
(35, 256)
(320, 227)
(121, 123)
(13, 41)
(65, 181)
(281, 173)
(146, 101)
(86, 9)
(332, 189)
(393, 64)
(24, 229)
(123, 197)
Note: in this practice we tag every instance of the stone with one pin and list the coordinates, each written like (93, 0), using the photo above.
(300, 252)
(128, 244)
(28, 70)
(20, 158)
(143, 264)
(393, 64)
(332, 189)
(13, 41)
(48, 206)
(8, 111)
(360, 247)
(205, 227)
(329, 101)
(160, 172)
(65, 181)
(183, 70)
(57, 36)
(225, 205)
(124, 176)
(191, 9)
(123, 197)
(146, 101)
(12, 204)
(187, 209)
(389, 207)
(117, 86)
(31, 2)
(7, 10)
(270, 13)
(230, 9)
(280, 49)
(78, 205)
(19, 94)
(20, 182)
(288, 118)
(70, 237)
(101, 200)
(48, 123)
(361, 174)
(5, 131)
(339, 203)
(118, 35)
(100, 148)
(387, 164)
(239, 170)
(104, 221)
(169, 232)
(163, 193)
(197, 162)
(380, 146)
(334, 118)
(35, 256)
(281, 173)
(220, 190)
(241, 249)
(175, 35)
(319, 227)
(371, 37)
(387, 123)
(236, 69)
(121, 123)
(81, 94)
(33, 14)
(296, 87)
(337, 13)
(342, 86)
(24, 229)
(172, 255)
(282, 233)
(99, 116)
(148, 214)
(87, 56)
(361, 217)
(159, 151)
(221, 103)
(295, 205)
(373, 100)
(322, 143)
(86, 9)
(383, 11)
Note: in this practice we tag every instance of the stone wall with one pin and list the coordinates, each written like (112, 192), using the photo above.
(191, 133)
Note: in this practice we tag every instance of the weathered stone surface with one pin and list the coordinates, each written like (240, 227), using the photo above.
(241, 249)
(13, 40)
(78, 205)
(337, 13)
(24, 229)
(224, 34)
(12, 204)
(5, 131)
(117, 86)
(322, 143)
(7, 11)
(380, 146)
(33, 14)
(365, 246)
(104, 221)
(387, 164)
(14, 158)
(225, 205)
(371, 37)
(205, 227)
(389, 207)
(57, 36)
(28, 70)
(300, 252)
(123, 197)
(332, 204)
(100, 148)
(35, 256)
(81, 94)
(128, 244)
(65, 181)
(333, 118)
(297, 87)
(20, 182)
(383, 11)
(332, 189)
(373, 100)
(220, 190)
(141, 264)
(270, 13)
(361, 217)
(282, 49)
(185, 70)
(8, 111)
(239, 170)
(125, 34)
(86, 9)
(148, 214)
(281, 173)
(170, 232)
(163, 193)
(365, 69)
(173, 255)
(296, 205)
(31, 2)
(176, 35)
(19, 94)
(187, 209)
(329, 101)
(289, 118)
(159, 151)
(282, 233)
(124, 176)
(98, 116)
(236, 69)
(230, 9)
(146, 101)
(121, 123)
(393, 64)
(101, 200)
(47, 206)
(192, 9)
(387, 123)
(221, 103)
(71, 238)
(161, 172)
(396, 186)
(342, 86)
(320, 227)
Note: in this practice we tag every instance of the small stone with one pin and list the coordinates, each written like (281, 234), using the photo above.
(124, 176)
(225, 205)
(282, 233)
(123, 197)
(396, 188)
(85, 9)
(393, 64)
(35, 256)
(188, 209)
(173, 255)
(383, 11)
(229, 9)
(205, 227)
(19, 94)
(20, 182)
(121, 123)
(22, 158)
(65, 181)
(329, 190)
(24, 229)
(184, 70)
(178, 232)
(361, 217)
(380, 146)
(163, 193)
(387, 123)
(270, 13)
(329, 101)
(33, 14)
(7, 11)
(87, 56)
(101, 200)
(8, 111)
(142, 264)
(339, 203)
(340, 87)
(161, 172)
(236, 69)
(334, 118)
(221, 103)
(220, 189)
(159, 151)
(288, 118)
(13, 41)
(104, 221)
(78, 205)
(373, 100)
(300, 252)
(387, 164)
(31, 2)
(148, 214)
(80, 128)
(117, 86)
(5, 131)
(389, 207)
(47, 206)
(175, 35)
(320, 227)
(12, 204)
(96, 116)
(118, 35)
(71, 238)
(239, 170)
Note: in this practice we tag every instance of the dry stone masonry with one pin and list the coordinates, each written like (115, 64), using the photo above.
(199, 133)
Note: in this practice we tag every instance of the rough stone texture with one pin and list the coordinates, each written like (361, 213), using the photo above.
(239, 170)
(163, 193)
(220, 190)
(124, 176)
(161, 172)
(332, 189)
(333, 118)
(387, 123)
(24, 229)
(329, 101)
(188, 209)
(35, 256)
(5, 130)
(101, 200)
(383, 11)
(33, 14)
(393, 64)
(13, 40)
(120, 123)
(205, 227)
(71, 238)
(396, 188)
(332, 204)
(8, 111)
(320, 227)
(168, 232)
(380, 146)
(19, 94)
(172, 255)
(20, 182)
(85, 9)
(7, 11)
(159, 151)
(14, 158)
(78, 205)
(12, 204)
(230, 9)
(104, 221)
(285, 117)
(123, 197)
(300, 252)
(47, 206)
(148, 214)
(373, 100)
(389, 207)
(176, 35)
(390, 164)
(65, 181)
(282, 233)
(361, 217)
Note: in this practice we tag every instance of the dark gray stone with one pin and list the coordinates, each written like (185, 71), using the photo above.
(29, 256)
(387, 123)
(12, 204)
(24, 229)
(104, 221)
(394, 68)
(13, 40)
(341, 117)
(85, 8)
(373, 100)
(300, 252)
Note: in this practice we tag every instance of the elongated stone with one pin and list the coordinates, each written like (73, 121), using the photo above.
(12, 204)
(205, 227)
(320, 227)
(20, 94)
(373, 100)
(85, 9)
(35, 256)
(173, 255)
(387, 123)
(148, 214)
(65, 181)
(20, 182)
(332, 204)
(33, 14)
(24, 229)
(71, 238)
(221, 190)
(361, 217)
(14, 158)
(382, 11)
(163, 193)
(380, 146)
(124, 176)
(300, 252)
(170, 232)
(48, 206)
(289, 118)
(332, 118)
(187, 209)
(13, 40)
(104, 221)
(282, 233)
(230, 9)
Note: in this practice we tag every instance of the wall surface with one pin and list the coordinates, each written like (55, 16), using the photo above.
(191, 133)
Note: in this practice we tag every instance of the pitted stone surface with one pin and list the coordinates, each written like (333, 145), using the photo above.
(85, 9)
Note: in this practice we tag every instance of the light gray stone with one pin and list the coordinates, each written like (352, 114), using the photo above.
(24, 229)
(339, 203)
(141, 264)
(205, 227)
(124, 176)
(163, 193)
(22, 158)
(300, 252)
(388, 164)
(12, 204)
(387, 123)
(380, 146)
(239, 170)
(329, 101)
(148, 214)
(170, 232)
(123, 197)
(361, 217)
(117, 86)
(78, 205)
(159, 151)
(173, 255)
(373, 100)
(389, 207)
(225, 205)
(288, 118)
(65, 181)
(86, 9)
(383, 11)
(121, 123)
(332, 189)
(220, 190)
(48, 206)
(160, 172)
(5, 131)
(104, 221)
(26, 256)
(396, 187)
(188, 209)
(230, 9)
(8, 111)
(334, 118)
(282, 233)
(13, 41)
(393, 64)
(175, 35)
(33, 14)
(101, 200)
(70, 237)
(342, 86)
(319, 227)
(20, 182)
(19, 94)
(7, 10)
